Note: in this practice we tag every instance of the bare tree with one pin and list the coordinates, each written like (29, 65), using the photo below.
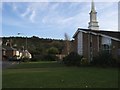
(67, 43)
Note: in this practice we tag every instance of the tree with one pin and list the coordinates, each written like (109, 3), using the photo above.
(53, 50)
(59, 45)
(67, 43)
(51, 56)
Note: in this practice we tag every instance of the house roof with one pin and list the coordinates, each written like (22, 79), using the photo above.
(112, 34)
(8, 48)
(3, 48)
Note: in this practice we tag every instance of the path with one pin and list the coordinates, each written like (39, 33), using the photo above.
(7, 64)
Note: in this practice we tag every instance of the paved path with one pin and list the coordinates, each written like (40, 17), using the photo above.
(7, 64)
(0, 64)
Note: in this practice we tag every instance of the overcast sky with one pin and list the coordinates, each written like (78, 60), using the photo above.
(53, 19)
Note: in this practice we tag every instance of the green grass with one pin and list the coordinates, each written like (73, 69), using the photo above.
(56, 75)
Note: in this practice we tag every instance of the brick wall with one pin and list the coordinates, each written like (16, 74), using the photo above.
(115, 46)
(86, 45)
(75, 45)
(95, 43)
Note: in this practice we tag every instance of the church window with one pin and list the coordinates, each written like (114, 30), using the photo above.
(106, 47)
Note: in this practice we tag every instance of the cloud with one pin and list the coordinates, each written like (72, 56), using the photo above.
(32, 16)
(77, 17)
(26, 12)
(57, 18)
(108, 16)
(109, 22)
(33, 10)
(48, 12)
(15, 7)
(0, 6)
(29, 13)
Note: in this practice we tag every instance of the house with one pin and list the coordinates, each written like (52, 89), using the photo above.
(10, 53)
(26, 54)
(3, 54)
(89, 42)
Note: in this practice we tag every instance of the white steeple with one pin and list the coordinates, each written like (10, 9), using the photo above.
(93, 24)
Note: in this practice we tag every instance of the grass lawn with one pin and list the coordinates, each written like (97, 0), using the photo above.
(56, 75)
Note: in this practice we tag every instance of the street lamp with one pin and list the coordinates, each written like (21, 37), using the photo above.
(25, 53)
(25, 40)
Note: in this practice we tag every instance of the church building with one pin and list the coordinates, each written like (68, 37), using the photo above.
(89, 42)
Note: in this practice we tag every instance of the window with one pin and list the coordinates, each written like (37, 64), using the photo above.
(106, 47)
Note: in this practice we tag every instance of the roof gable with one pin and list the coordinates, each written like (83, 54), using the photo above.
(112, 34)
(8, 48)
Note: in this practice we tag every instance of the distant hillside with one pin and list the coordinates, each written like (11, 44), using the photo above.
(35, 45)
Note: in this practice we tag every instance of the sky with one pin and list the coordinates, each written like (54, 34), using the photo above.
(54, 19)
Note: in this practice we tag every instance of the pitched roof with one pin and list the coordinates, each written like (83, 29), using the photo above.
(3, 48)
(113, 34)
(8, 48)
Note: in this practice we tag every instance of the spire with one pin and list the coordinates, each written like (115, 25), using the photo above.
(92, 6)
(93, 24)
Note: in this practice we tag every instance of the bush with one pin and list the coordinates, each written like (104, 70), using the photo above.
(37, 57)
(73, 59)
(25, 59)
(34, 59)
(44, 57)
(104, 58)
(84, 62)
(50, 57)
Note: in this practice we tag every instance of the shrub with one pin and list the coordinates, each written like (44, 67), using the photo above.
(37, 57)
(73, 59)
(34, 59)
(104, 58)
(84, 62)
(50, 57)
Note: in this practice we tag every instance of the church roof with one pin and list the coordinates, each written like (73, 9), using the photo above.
(112, 34)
